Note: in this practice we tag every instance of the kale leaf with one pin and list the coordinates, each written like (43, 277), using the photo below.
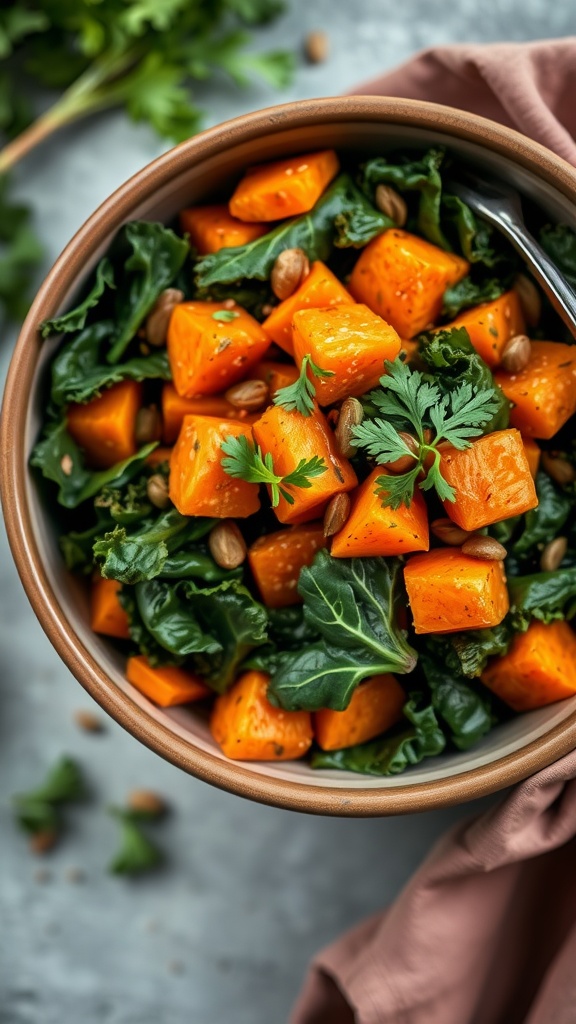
(135, 557)
(453, 361)
(542, 595)
(470, 292)
(467, 714)
(559, 241)
(353, 604)
(342, 217)
(544, 522)
(75, 319)
(407, 174)
(391, 754)
(473, 648)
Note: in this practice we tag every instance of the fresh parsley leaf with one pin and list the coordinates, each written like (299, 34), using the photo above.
(225, 315)
(300, 395)
(37, 811)
(353, 604)
(245, 461)
(454, 361)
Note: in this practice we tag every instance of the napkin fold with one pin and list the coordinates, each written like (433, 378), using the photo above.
(485, 931)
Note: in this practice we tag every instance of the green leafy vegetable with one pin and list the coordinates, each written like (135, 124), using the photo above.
(470, 292)
(559, 241)
(136, 853)
(225, 315)
(342, 217)
(20, 252)
(406, 398)
(300, 395)
(544, 522)
(59, 458)
(37, 811)
(353, 604)
(391, 754)
(245, 461)
(454, 361)
(171, 620)
(132, 558)
(407, 174)
(475, 647)
(75, 320)
(466, 713)
(542, 595)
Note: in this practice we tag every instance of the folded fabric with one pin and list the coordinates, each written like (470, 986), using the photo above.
(485, 932)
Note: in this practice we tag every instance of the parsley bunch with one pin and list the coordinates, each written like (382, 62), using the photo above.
(408, 401)
(245, 461)
(140, 55)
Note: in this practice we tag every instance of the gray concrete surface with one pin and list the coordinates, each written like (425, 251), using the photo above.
(224, 932)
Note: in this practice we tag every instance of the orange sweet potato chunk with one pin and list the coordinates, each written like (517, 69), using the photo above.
(175, 408)
(449, 591)
(350, 341)
(375, 707)
(544, 393)
(213, 227)
(167, 685)
(372, 529)
(403, 279)
(532, 452)
(539, 668)
(275, 375)
(104, 427)
(290, 437)
(198, 484)
(492, 480)
(491, 325)
(320, 289)
(284, 188)
(207, 355)
(249, 728)
(277, 558)
(107, 615)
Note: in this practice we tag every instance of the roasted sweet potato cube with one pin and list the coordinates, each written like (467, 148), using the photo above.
(491, 325)
(166, 685)
(544, 393)
(349, 341)
(319, 289)
(375, 707)
(277, 558)
(449, 591)
(199, 486)
(290, 437)
(107, 615)
(492, 480)
(175, 408)
(539, 668)
(402, 278)
(104, 428)
(213, 227)
(373, 529)
(211, 347)
(249, 728)
(284, 188)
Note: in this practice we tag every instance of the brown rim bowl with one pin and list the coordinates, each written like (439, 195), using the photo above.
(187, 174)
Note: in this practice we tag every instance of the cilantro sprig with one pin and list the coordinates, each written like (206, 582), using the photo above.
(300, 395)
(409, 402)
(245, 461)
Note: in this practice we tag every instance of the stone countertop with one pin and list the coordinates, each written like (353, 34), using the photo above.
(224, 932)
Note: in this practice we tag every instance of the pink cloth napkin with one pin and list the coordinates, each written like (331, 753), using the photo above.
(485, 932)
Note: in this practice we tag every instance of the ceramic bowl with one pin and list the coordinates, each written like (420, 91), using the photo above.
(189, 174)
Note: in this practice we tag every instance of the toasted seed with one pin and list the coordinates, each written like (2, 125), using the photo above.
(391, 203)
(405, 462)
(351, 414)
(157, 491)
(87, 720)
(156, 326)
(337, 512)
(316, 47)
(288, 272)
(147, 802)
(516, 353)
(148, 425)
(559, 469)
(484, 547)
(250, 395)
(530, 299)
(267, 309)
(553, 554)
(227, 545)
(41, 842)
(449, 533)
(66, 464)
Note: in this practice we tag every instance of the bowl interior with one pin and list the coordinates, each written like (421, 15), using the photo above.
(198, 182)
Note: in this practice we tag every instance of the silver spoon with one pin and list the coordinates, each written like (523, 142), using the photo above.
(501, 205)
